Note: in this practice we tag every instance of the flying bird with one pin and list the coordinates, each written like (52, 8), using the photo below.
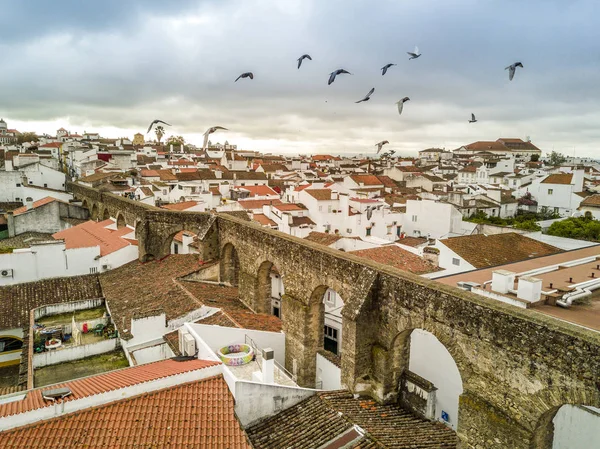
(335, 73)
(302, 58)
(245, 75)
(473, 119)
(512, 69)
(208, 132)
(400, 104)
(154, 122)
(414, 55)
(367, 97)
(385, 68)
(380, 145)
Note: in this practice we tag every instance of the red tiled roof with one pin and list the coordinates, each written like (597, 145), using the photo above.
(322, 157)
(91, 233)
(323, 238)
(367, 180)
(36, 204)
(149, 173)
(198, 414)
(320, 194)
(51, 145)
(302, 187)
(257, 204)
(114, 380)
(559, 178)
(261, 190)
(184, 205)
(179, 236)
(263, 220)
(593, 200)
(398, 258)
(289, 207)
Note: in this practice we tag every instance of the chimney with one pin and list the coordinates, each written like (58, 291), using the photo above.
(268, 366)
(529, 289)
(503, 281)
(29, 204)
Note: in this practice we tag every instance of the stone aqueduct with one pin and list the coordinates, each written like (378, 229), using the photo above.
(517, 366)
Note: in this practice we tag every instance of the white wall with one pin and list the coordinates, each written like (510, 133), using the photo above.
(576, 428)
(146, 329)
(216, 337)
(446, 260)
(432, 361)
(433, 219)
(43, 261)
(329, 374)
(254, 400)
(74, 353)
(119, 257)
(152, 354)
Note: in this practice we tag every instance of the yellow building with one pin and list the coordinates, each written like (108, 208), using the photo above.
(138, 139)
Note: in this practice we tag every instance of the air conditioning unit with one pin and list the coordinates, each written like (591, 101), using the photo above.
(468, 286)
(349, 230)
(189, 345)
(106, 267)
(6, 273)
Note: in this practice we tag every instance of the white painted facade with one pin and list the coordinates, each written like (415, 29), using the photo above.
(418, 220)
(329, 376)
(576, 427)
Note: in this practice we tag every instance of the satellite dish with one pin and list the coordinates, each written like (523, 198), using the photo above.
(369, 212)
(57, 393)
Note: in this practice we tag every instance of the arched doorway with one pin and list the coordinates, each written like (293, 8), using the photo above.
(120, 221)
(230, 265)
(420, 359)
(106, 214)
(94, 212)
(269, 289)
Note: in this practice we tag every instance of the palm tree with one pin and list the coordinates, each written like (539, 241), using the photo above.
(160, 132)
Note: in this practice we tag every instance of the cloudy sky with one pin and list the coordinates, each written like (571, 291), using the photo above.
(114, 65)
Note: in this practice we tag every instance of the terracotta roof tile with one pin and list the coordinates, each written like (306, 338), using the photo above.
(323, 238)
(258, 190)
(398, 258)
(286, 207)
(36, 204)
(17, 300)
(180, 206)
(197, 414)
(263, 220)
(325, 416)
(155, 289)
(593, 200)
(257, 204)
(559, 178)
(484, 251)
(91, 233)
(367, 180)
(320, 194)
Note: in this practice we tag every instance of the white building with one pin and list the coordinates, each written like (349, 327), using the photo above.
(432, 219)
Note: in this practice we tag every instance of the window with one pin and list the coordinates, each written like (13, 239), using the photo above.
(330, 298)
(8, 344)
(18, 185)
(93, 270)
(455, 261)
(330, 341)
(164, 191)
(550, 191)
(414, 218)
(329, 208)
(556, 210)
(175, 248)
(389, 229)
(179, 186)
(398, 231)
(368, 232)
(320, 208)
(46, 185)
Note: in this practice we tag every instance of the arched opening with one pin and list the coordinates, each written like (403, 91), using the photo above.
(106, 214)
(94, 212)
(568, 426)
(120, 221)
(269, 290)
(420, 360)
(184, 242)
(326, 332)
(85, 205)
(230, 265)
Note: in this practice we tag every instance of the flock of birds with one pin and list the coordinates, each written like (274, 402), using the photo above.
(332, 77)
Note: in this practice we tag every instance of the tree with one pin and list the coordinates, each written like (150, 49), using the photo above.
(557, 158)
(582, 228)
(160, 132)
(535, 158)
(27, 137)
(176, 141)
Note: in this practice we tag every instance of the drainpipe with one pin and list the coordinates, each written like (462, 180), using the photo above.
(568, 299)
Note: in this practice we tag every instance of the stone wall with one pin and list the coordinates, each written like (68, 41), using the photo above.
(517, 366)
